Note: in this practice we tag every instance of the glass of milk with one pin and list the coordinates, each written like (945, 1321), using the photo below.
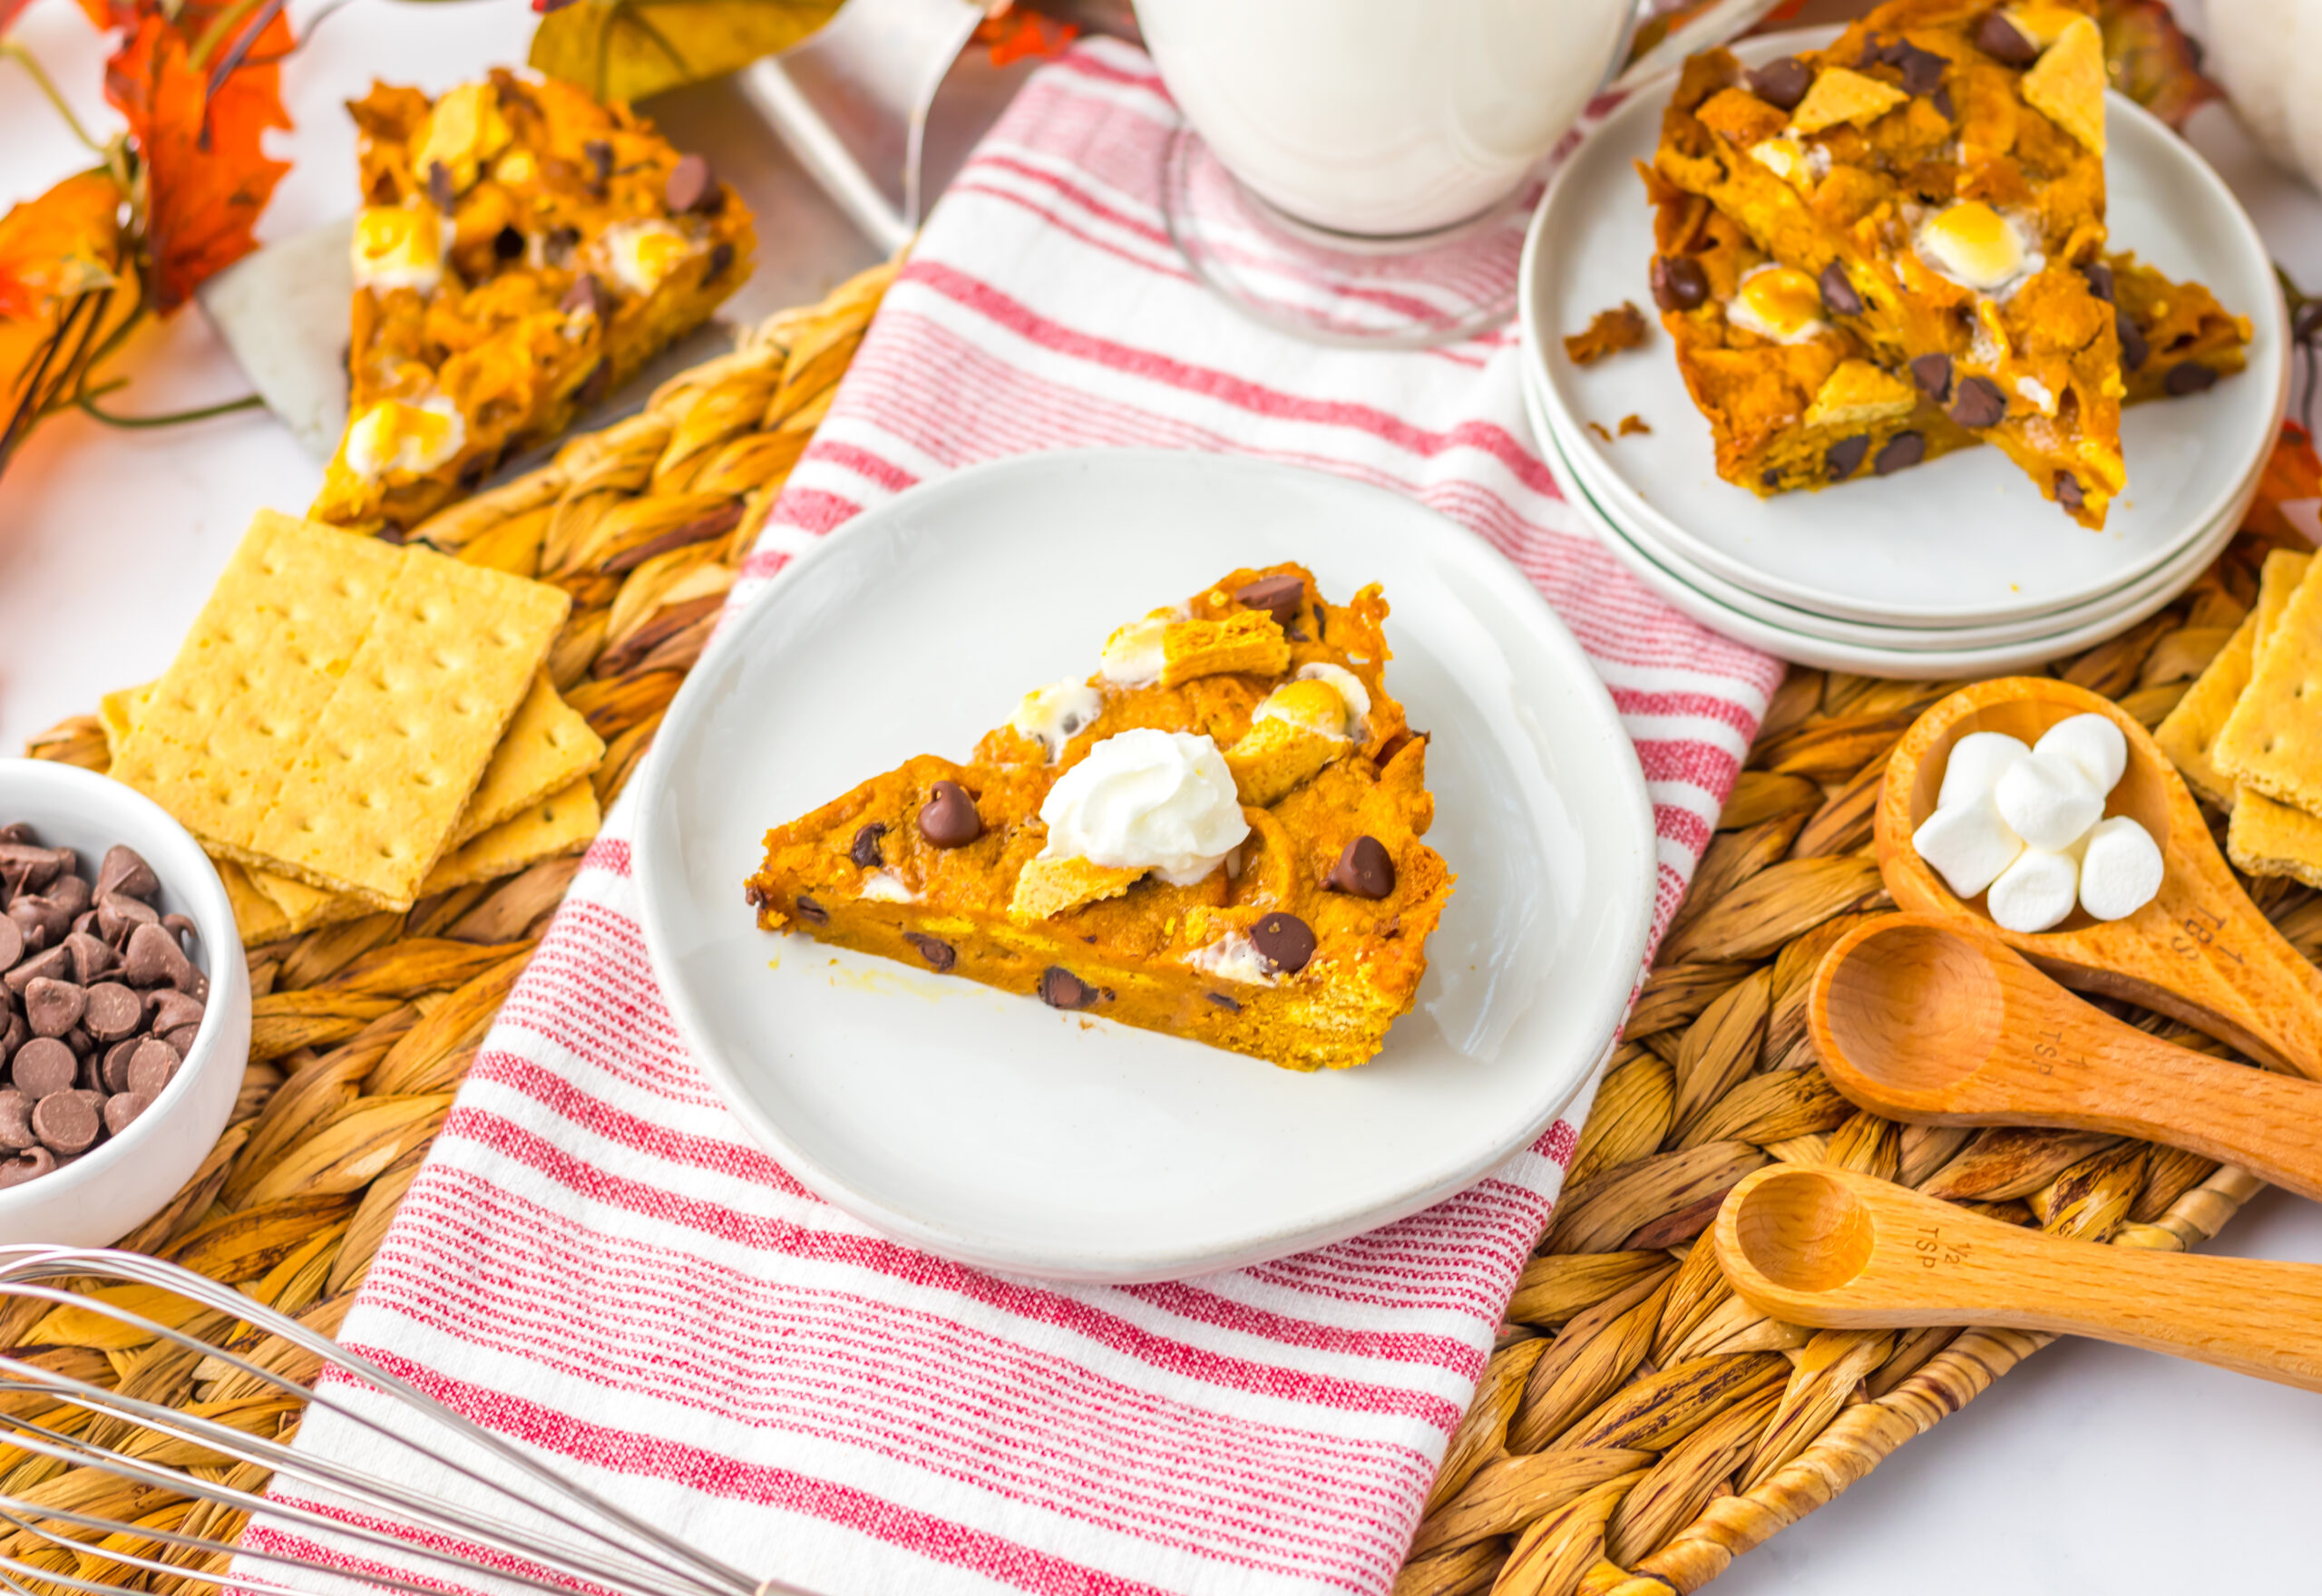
(1373, 150)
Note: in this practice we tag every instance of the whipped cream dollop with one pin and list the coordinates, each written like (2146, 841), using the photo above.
(1148, 800)
(1052, 715)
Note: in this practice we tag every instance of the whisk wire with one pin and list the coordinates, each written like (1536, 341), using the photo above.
(620, 1552)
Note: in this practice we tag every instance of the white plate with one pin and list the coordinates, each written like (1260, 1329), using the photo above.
(1815, 649)
(988, 1128)
(1962, 540)
(2155, 587)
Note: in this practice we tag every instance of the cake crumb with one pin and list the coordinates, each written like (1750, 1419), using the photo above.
(1632, 422)
(1611, 332)
(1597, 427)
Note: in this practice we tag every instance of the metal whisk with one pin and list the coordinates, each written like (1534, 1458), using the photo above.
(528, 1527)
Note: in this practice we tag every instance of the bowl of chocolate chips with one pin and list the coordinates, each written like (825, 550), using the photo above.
(124, 1007)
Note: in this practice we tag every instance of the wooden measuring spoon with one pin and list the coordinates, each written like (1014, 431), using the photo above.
(1835, 1249)
(2199, 952)
(1938, 1021)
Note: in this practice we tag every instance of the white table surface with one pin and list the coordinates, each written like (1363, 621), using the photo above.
(2090, 1469)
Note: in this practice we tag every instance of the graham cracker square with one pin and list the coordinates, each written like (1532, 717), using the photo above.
(2272, 741)
(336, 705)
(547, 747)
(563, 822)
(2188, 732)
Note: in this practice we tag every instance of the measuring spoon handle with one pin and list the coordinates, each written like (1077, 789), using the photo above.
(2157, 1092)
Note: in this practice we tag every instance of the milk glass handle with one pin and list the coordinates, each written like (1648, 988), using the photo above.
(1726, 20)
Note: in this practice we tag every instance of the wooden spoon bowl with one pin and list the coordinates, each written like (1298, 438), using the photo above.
(2199, 952)
(1833, 1248)
(1937, 1021)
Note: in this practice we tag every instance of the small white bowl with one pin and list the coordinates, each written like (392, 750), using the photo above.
(106, 1194)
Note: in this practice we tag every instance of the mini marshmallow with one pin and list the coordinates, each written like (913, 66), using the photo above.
(2120, 869)
(1976, 765)
(2092, 743)
(2036, 891)
(2047, 802)
(1967, 843)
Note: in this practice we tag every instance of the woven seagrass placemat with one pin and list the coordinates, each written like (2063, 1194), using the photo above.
(1636, 1426)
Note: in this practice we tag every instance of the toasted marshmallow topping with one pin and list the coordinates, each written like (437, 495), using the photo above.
(465, 129)
(1785, 158)
(1133, 655)
(1148, 800)
(399, 247)
(1978, 247)
(884, 886)
(641, 255)
(395, 436)
(1294, 701)
(1778, 302)
(1051, 716)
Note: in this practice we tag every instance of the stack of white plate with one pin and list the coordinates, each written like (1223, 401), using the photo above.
(1954, 568)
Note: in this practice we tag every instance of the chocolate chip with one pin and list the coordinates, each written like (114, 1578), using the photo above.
(1839, 297)
(2099, 279)
(118, 915)
(1941, 101)
(1224, 1002)
(1932, 373)
(153, 958)
(1282, 596)
(14, 1034)
(721, 256)
(594, 386)
(182, 1038)
(71, 895)
(439, 185)
(173, 1009)
(939, 955)
(1365, 869)
(93, 960)
(113, 1011)
(1902, 449)
(811, 913)
(55, 965)
(507, 244)
(600, 156)
(83, 1046)
(2191, 377)
(1845, 457)
(53, 1008)
(29, 1165)
(949, 818)
(1979, 403)
(69, 1122)
(1922, 69)
(2135, 348)
(32, 867)
(2068, 492)
(12, 942)
(40, 917)
(1781, 83)
(125, 871)
(1060, 988)
(113, 1071)
(1769, 478)
(122, 1110)
(1678, 282)
(1284, 941)
(41, 1065)
(586, 295)
(754, 895)
(689, 185)
(151, 1064)
(866, 852)
(1997, 37)
(15, 1120)
(557, 247)
(86, 924)
(17, 830)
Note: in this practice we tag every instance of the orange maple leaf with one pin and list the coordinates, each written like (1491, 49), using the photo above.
(65, 290)
(198, 132)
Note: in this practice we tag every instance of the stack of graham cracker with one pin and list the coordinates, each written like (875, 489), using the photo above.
(351, 727)
(2248, 735)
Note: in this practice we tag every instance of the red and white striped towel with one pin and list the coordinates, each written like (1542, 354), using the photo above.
(598, 1262)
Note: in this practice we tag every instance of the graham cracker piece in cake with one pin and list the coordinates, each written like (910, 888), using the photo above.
(336, 705)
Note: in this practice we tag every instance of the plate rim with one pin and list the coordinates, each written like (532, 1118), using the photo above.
(1803, 648)
(1637, 888)
(2172, 575)
(2268, 336)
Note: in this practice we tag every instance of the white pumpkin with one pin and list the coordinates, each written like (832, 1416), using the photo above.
(2251, 51)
